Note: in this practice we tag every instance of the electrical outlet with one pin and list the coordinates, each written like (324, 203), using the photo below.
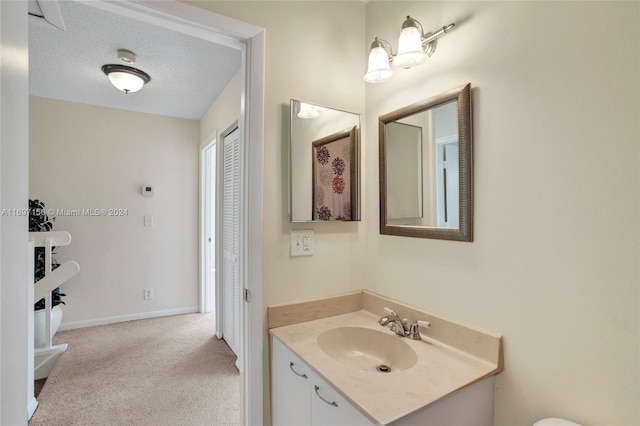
(302, 242)
(148, 294)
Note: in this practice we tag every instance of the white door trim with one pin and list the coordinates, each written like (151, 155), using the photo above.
(206, 281)
(253, 126)
(17, 297)
(250, 40)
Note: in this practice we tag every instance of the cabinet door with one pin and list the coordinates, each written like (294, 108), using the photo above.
(329, 408)
(290, 387)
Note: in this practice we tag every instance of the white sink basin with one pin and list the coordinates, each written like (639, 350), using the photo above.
(367, 349)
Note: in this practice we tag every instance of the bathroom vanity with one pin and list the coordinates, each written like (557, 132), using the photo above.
(333, 364)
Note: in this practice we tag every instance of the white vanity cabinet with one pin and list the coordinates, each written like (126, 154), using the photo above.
(325, 355)
(290, 387)
(299, 397)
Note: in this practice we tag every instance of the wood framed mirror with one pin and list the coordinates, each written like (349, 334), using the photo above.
(426, 168)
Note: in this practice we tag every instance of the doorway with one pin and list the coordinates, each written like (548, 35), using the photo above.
(447, 181)
(249, 41)
(221, 284)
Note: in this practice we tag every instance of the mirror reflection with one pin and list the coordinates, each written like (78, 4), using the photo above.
(324, 163)
(425, 166)
(422, 168)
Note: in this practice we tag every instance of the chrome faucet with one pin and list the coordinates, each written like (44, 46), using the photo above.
(394, 322)
(400, 327)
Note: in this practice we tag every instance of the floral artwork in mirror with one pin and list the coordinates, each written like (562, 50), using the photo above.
(333, 176)
(324, 162)
(426, 168)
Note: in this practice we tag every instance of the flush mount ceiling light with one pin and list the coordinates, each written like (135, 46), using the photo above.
(414, 47)
(125, 77)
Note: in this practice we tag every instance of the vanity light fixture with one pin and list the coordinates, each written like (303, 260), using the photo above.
(308, 111)
(125, 77)
(414, 47)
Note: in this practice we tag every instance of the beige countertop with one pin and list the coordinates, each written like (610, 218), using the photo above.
(384, 397)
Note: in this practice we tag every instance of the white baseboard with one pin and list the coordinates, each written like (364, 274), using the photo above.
(32, 405)
(131, 317)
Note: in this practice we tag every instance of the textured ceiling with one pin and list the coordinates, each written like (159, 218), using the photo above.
(187, 73)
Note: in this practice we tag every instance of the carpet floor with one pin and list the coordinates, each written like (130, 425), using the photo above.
(161, 371)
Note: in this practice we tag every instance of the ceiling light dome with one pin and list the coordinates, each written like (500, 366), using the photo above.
(124, 77)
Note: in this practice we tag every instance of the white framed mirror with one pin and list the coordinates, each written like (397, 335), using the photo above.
(324, 163)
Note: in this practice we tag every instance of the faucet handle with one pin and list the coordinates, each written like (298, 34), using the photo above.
(414, 329)
(425, 324)
(388, 311)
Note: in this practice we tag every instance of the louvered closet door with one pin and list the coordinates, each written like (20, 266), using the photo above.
(231, 242)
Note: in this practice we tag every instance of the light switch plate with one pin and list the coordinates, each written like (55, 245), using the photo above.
(148, 191)
(302, 242)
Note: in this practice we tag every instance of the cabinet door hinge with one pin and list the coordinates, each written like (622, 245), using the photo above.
(247, 295)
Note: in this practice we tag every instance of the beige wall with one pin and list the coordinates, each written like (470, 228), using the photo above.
(223, 112)
(554, 264)
(87, 157)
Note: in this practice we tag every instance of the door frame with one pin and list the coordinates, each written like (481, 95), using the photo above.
(207, 226)
(249, 39)
(441, 190)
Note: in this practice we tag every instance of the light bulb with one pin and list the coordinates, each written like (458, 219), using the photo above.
(308, 111)
(125, 81)
(410, 51)
(378, 69)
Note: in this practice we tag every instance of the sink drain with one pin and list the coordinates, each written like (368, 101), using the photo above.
(383, 368)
